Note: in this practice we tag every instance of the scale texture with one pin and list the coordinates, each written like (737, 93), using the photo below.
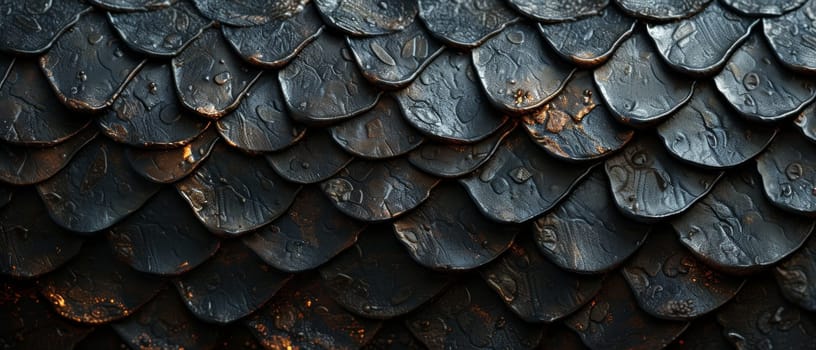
(407, 174)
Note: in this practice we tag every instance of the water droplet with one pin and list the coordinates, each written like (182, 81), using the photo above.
(750, 81)
(222, 78)
(94, 38)
(81, 76)
(520, 174)
(794, 171)
(499, 185)
(152, 87)
(515, 37)
(786, 190)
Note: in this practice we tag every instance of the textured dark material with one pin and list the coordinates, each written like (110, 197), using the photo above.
(648, 184)
(31, 27)
(449, 233)
(377, 279)
(523, 277)
(323, 85)
(700, 45)
(613, 320)
(168, 166)
(516, 71)
(274, 44)
(89, 65)
(368, 17)
(590, 41)
(584, 233)
(231, 285)
(210, 79)
(162, 33)
(163, 237)
(791, 37)
(576, 125)
(261, 123)
(638, 87)
(737, 230)
(31, 246)
(470, 316)
(465, 24)
(559, 11)
(28, 114)
(367, 174)
(660, 10)
(759, 87)
(233, 193)
(519, 182)
(147, 114)
(706, 132)
(395, 60)
(307, 236)
(376, 191)
(96, 189)
(447, 103)
(668, 282)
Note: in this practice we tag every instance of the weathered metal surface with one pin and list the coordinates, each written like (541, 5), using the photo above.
(161, 33)
(583, 42)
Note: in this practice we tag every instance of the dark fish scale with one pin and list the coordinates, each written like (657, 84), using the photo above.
(584, 233)
(669, 283)
(520, 182)
(89, 66)
(788, 171)
(523, 279)
(701, 45)
(465, 24)
(735, 229)
(29, 115)
(448, 160)
(517, 72)
(209, 79)
(231, 285)
(96, 288)
(133, 5)
(469, 315)
(379, 133)
(576, 125)
(764, 7)
(161, 32)
(662, 10)
(310, 233)
(638, 87)
(706, 132)
(378, 191)
(249, 13)
(377, 278)
(313, 159)
(559, 11)
(233, 193)
(759, 88)
(760, 318)
(795, 276)
(31, 27)
(25, 165)
(171, 165)
(613, 320)
(261, 123)
(393, 61)
(274, 44)
(368, 17)
(147, 113)
(323, 85)
(792, 37)
(164, 323)
(96, 190)
(582, 43)
(31, 246)
(163, 237)
(447, 232)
